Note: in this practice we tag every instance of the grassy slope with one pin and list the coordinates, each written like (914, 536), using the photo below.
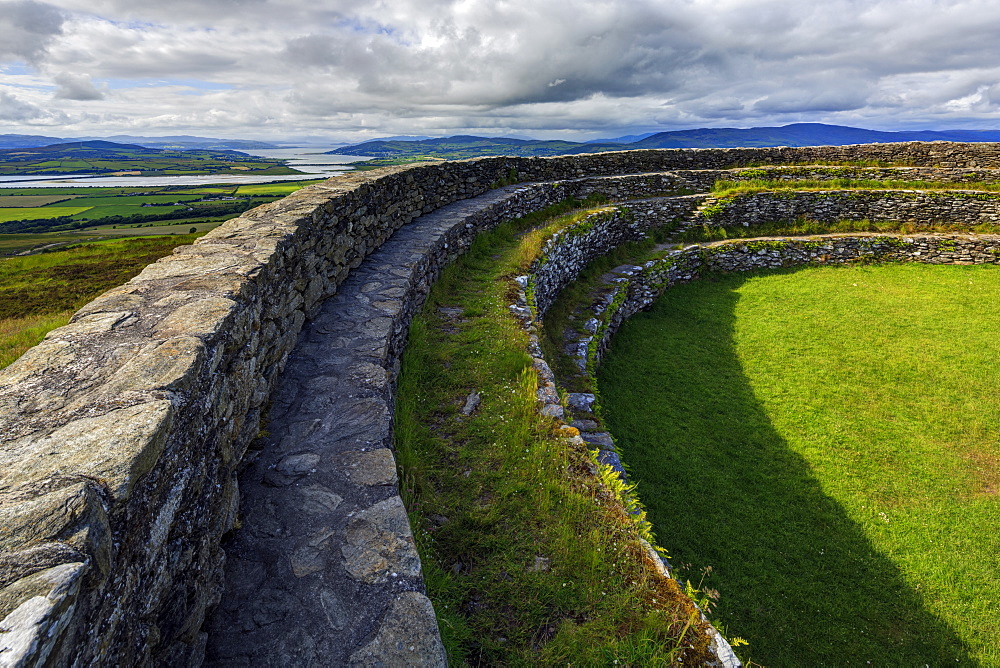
(492, 493)
(826, 440)
(40, 292)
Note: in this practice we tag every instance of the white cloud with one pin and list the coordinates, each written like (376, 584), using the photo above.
(273, 67)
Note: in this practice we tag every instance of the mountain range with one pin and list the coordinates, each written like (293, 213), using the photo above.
(466, 146)
(104, 157)
(176, 142)
(798, 134)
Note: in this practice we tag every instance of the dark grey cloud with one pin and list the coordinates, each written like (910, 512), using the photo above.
(16, 110)
(76, 87)
(26, 29)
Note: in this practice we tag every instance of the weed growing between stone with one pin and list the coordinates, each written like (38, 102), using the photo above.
(39, 292)
(529, 558)
(826, 439)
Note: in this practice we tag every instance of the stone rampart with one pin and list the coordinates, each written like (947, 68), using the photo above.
(123, 431)
(915, 154)
(120, 434)
(565, 254)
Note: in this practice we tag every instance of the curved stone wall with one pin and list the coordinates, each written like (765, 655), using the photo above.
(121, 433)
(642, 284)
(922, 208)
(565, 254)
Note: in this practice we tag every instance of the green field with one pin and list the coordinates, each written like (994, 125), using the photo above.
(34, 200)
(96, 210)
(823, 443)
(21, 213)
(279, 188)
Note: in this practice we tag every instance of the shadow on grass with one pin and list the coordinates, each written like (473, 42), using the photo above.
(798, 579)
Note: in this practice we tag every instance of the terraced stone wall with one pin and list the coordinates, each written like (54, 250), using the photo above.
(121, 433)
(566, 253)
(647, 282)
(703, 180)
(921, 208)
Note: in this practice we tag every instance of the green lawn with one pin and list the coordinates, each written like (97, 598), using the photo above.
(826, 440)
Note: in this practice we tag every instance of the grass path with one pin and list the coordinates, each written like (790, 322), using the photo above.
(826, 440)
(528, 559)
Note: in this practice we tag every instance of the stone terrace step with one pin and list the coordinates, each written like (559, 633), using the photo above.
(324, 570)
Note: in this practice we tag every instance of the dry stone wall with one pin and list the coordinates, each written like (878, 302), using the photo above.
(123, 431)
(703, 180)
(921, 208)
(640, 285)
(565, 254)
(120, 434)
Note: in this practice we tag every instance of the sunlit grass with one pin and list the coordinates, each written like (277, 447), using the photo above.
(827, 440)
(24, 213)
(808, 227)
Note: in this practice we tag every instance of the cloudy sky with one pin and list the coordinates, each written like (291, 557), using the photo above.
(575, 69)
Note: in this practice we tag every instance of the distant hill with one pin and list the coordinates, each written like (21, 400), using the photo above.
(104, 157)
(92, 150)
(627, 139)
(467, 146)
(27, 141)
(802, 134)
(177, 142)
(189, 142)
(797, 134)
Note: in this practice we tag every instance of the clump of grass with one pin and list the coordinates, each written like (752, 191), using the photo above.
(39, 292)
(529, 558)
(826, 439)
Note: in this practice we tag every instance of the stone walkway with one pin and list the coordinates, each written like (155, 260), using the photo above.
(324, 570)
